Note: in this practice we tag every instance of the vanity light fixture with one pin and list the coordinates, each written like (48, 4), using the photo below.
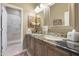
(37, 9)
(42, 7)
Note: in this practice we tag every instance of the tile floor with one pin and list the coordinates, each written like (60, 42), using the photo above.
(23, 53)
(13, 49)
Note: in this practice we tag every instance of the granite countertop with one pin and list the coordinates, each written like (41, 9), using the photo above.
(59, 44)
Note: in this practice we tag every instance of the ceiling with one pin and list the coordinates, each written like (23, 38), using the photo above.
(26, 4)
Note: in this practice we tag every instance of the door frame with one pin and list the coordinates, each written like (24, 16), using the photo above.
(1, 29)
(21, 9)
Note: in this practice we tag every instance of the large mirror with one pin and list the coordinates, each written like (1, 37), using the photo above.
(59, 14)
(56, 15)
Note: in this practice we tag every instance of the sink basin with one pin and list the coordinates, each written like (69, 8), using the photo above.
(55, 38)
(62, 43)
(36, 34)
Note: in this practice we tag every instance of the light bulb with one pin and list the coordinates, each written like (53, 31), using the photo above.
(73, 30)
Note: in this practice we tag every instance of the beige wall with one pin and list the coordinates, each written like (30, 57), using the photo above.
(47, 16)
(27, 7)
(76, 17)
(57, 12)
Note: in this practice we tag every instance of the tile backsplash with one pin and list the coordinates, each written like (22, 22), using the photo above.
(62, 30)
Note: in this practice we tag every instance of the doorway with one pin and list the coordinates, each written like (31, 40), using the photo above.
(11, 34)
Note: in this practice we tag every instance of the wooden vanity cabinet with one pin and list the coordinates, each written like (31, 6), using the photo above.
(30, 44)
(37, 47)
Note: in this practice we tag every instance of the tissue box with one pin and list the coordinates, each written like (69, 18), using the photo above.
(73, 36)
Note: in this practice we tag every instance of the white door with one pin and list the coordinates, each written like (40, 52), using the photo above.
(0, 28)
(4, 31)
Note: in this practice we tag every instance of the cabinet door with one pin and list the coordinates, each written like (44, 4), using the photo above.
(40, 48)
(32, 46)
(50, 50)
(60, 52)
(26, 39)
(28, 43)
(25, 42)
(37, 48)
(55, 51)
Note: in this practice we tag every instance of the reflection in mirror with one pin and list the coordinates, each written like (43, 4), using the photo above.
(59, 14)
(56, 15)
(57, 18)
(41, 14)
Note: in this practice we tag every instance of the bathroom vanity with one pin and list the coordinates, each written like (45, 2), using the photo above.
(60, 19)
(37, 45)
